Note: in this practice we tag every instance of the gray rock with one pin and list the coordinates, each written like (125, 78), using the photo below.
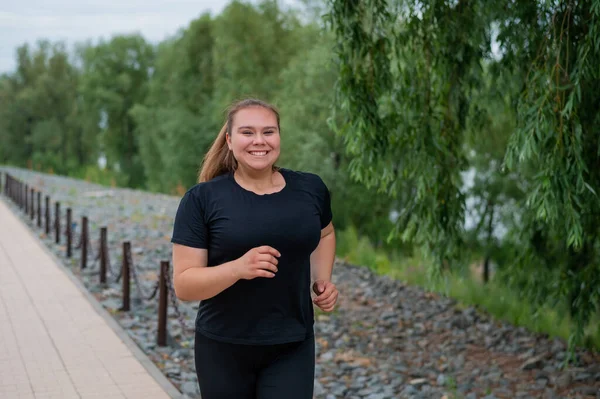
(563, 380)
(409, 390)
(318, 389)
(190, 388)
(583, 377)
(589, 391)
(418, 382)
(441, 380)
(536, 362)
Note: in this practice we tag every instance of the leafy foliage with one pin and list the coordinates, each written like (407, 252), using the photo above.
(415, 102)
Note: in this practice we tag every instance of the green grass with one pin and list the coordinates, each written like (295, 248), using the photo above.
(497, 300)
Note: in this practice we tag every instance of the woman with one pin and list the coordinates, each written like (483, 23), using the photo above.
(247, 241)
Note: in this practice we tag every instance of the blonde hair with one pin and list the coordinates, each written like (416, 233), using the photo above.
(219, 159)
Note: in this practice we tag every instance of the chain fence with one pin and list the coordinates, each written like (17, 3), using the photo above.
(76, 233)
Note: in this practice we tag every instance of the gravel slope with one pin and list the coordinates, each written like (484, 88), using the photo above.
(385, 340)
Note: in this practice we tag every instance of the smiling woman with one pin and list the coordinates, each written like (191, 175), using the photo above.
(249, 241)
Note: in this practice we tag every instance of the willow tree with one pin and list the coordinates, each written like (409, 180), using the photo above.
(406, 70)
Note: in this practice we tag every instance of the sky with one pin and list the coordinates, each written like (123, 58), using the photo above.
(72, 21)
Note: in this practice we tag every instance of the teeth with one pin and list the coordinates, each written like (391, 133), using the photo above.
(258, 153)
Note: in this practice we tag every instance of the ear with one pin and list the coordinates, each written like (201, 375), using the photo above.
(228, 140)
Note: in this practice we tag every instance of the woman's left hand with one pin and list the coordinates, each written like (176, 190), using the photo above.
(327, 295)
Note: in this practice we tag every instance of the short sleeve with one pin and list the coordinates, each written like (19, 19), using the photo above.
(324, 199)
(189, 227)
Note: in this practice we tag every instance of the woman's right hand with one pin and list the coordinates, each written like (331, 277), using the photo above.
(258, 262)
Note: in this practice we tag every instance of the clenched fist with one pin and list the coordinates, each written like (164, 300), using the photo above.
(327, 295)
(257, 262)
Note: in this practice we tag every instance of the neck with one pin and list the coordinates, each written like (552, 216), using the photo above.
(256, 179)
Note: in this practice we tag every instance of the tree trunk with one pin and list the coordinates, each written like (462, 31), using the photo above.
(490, 238)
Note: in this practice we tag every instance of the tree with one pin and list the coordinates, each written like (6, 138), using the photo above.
(114, 78)
(406, 70)
(37, 123)
(309, 143)
(174, 124)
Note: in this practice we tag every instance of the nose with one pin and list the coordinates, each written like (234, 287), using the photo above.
(259, 138)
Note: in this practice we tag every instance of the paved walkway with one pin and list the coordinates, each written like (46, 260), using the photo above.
(54, 342)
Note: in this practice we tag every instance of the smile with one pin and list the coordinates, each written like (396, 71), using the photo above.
(258, 153)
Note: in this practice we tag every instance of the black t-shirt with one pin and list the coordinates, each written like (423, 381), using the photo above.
(228, 220)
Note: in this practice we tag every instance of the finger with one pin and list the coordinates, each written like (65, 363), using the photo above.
(327, 301)
(268, 258)
(269, 250)
(327, 308)
(268, 266)
(323, 297)
(329, 289)
(264, 273)
(332, 301)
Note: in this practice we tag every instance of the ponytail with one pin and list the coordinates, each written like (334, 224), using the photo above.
(219, 159)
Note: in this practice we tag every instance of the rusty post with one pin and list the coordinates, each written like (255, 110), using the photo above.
(32, 208)
(39, 209)
(103, 249)
(57, 222)
(162, 304)
(125, 276)
(47, 215)
(26, 198)
(84, 241)
(68, 233)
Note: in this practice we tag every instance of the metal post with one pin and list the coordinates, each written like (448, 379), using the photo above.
(162, 304)
(125, 276)
(39, 209)
(103, 249)
(26, 199)
(68, 232)
(47, 215)
(32, 208)
(84, 241)
(57, 222)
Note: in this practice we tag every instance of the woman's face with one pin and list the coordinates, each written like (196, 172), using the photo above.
(254, 138)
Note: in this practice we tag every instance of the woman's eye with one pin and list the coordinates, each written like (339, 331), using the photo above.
(247, 132)
(269, 132)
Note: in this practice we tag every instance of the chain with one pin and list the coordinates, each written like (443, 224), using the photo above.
(138, 285)
(79, 241)
(110, 268)
(91, 251)
(154, 291)
(174, 302)
(135, 277)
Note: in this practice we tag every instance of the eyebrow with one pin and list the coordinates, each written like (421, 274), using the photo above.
(252, 127)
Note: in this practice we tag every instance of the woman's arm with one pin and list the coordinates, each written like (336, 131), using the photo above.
(193, 281)
(321, 264)
(322, 258)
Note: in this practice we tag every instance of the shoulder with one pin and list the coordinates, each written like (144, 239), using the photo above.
(308, 179)
(202, 191)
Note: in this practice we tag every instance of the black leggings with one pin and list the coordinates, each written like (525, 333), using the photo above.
(232, 371)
